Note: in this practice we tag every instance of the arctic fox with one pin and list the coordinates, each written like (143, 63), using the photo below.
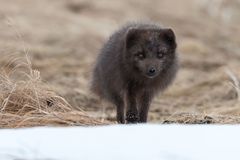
(136, 63)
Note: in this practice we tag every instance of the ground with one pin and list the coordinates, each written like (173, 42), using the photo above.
(63, 39)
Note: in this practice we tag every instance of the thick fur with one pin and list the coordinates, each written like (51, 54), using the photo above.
(121, 71)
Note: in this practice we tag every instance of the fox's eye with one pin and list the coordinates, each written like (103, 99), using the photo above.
(140, 55)
(160, 55)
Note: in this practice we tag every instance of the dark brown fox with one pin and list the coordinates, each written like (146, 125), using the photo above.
(138, 61)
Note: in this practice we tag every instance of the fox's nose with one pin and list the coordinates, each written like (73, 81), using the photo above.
(151, 71)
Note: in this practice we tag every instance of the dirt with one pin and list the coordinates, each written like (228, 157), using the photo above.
(63, 38)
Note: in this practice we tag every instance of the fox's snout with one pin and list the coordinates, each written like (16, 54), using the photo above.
(149, 67)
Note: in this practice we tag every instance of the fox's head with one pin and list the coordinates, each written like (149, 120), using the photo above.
(150, 51)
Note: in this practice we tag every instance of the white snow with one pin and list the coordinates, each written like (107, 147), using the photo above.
(122, 142)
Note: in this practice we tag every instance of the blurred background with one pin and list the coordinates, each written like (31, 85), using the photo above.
(63, 38)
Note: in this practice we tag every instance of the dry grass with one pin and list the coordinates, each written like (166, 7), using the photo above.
(29, 102)
(234, 83)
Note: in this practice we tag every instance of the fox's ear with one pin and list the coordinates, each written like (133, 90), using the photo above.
(169, 37)
(132, 36)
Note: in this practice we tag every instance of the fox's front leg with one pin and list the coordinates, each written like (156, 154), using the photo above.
(132, 115)
(118, 100)
(144, 101)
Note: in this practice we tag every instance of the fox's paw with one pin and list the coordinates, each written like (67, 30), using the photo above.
(132, 117)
